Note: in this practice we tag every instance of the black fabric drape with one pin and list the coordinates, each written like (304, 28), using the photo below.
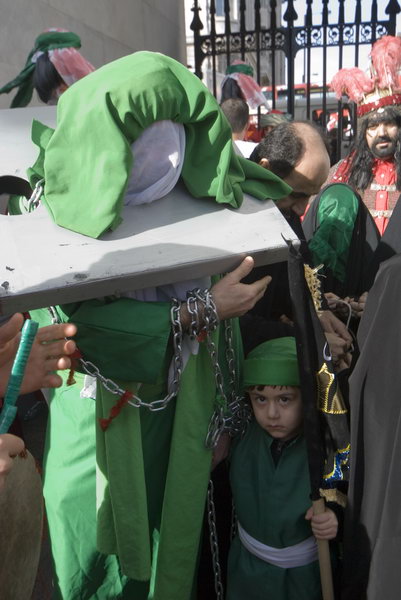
(372, 543)
(389, 244)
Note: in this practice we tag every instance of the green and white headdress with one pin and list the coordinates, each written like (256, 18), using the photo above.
(69, 63)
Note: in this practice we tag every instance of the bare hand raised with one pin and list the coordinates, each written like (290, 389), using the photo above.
(233, 298)
(50, 352)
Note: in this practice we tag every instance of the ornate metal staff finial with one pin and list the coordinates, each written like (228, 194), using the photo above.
(196, 24)
(392, 8)
(290, 14)
(308, 15)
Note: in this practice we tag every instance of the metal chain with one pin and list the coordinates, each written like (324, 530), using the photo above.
(239, 412)
(214, 543)
(197, 301)
(230, 414)
(217, 424)
(34, 200)
(54, 316)
(234, 521)
(230, 354)
(192, 308)
(91, 369)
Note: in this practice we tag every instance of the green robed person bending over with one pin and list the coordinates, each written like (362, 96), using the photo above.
(124, 486)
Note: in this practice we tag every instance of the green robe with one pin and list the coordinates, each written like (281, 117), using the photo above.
(152, 468)
(271, 503)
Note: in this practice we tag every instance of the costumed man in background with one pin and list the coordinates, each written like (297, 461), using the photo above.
(239, 83)
(52, 66)
(125, 493)
(340, 230)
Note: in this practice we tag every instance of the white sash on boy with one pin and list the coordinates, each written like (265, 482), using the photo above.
(297, 555)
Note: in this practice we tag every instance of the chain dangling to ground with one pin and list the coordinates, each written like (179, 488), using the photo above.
(234, 521)
(214, 543)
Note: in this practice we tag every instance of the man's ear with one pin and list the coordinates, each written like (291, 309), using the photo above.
(264, 163)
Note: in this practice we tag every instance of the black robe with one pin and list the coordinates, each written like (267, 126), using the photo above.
(389, 244)
(372, 540)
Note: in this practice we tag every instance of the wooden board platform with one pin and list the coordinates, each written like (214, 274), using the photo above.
(173, 239)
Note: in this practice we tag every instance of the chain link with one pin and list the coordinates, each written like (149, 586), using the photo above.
(34, 200)
(234, 522)
(91, 369)
(198, 300)
(214, 542)
(231, 413)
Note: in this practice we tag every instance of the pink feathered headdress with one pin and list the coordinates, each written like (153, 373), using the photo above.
(69, 63)
(382, 88)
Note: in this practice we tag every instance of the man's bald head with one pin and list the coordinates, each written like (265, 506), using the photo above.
(297, 153)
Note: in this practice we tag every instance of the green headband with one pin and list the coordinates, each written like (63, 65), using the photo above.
(273, 119)
(245, 69)
(50, 40)
(272, 363)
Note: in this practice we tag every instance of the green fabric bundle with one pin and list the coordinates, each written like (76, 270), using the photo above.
(99, 118)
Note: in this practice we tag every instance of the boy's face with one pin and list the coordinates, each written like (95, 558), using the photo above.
(278, 410)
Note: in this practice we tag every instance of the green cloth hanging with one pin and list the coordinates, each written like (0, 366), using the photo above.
(152, 468)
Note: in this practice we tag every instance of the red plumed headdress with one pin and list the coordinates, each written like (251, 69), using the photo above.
(386, 62)
(354, 83)
(382, 88)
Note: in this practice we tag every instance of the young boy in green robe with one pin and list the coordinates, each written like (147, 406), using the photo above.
(274, 555)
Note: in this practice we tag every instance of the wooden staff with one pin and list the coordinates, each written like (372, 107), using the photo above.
(326, 576)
